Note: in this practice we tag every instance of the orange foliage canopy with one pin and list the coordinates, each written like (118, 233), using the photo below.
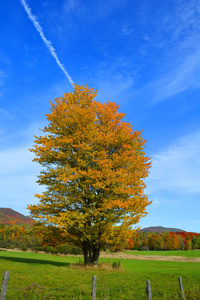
(94, 166)
(171, 241)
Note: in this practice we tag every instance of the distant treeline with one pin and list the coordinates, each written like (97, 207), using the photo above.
(165, 241)
(26, 237)
(52, 240)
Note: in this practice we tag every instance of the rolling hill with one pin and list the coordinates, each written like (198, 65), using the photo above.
(160, 229)
(9, 216)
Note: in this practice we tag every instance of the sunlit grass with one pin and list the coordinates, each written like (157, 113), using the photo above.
(42, 276)
(183, 253)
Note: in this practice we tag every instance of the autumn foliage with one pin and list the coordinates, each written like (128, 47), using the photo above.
(51, 240)
(9, 216)
(165, 241)
(130, 244)
(94, 170)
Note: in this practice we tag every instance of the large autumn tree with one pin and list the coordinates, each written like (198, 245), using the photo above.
(94, 169)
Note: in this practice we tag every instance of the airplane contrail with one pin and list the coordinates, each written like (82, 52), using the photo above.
(46, 42)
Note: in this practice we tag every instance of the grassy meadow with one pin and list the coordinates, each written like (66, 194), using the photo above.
(183, 253)
(43, 276)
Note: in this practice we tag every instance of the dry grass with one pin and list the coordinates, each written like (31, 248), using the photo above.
(108, 266)
(149, 257)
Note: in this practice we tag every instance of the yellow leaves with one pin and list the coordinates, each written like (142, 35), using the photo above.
(117, 204)
(94, 169)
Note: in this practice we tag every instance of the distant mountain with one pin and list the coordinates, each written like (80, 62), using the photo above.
(160, 229)
(9, 216)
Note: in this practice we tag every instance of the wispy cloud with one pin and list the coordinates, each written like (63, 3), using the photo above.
(181, 78)
(16, 161)
(126, 30)
(95, 10)
(17, 178)
(71, 5)
(184, 65)
(175, 40)
(177, 168)
(185, 20)
(2, 76)
(104, 78)
(5, 113)
(46, 42)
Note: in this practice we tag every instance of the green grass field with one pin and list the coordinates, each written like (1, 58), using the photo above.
(43, 276)
(183, 253)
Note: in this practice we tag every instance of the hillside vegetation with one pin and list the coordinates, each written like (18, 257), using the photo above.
(160, 229)
(9, 216)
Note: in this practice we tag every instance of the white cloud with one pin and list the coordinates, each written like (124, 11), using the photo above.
(177, 169)
(182, 77)
(147, 38)
(107, 92)
(70, 5)
(18, 174)
(18, 179)
(95, 10)
(175, 39)
(114, 81)
(16, 161)
(126, 30)
(155, 203)
(186, 18)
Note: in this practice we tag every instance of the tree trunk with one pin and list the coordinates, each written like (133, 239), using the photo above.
(95, 255)
(91, 254)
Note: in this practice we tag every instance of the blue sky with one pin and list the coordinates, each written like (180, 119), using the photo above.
(143, 55)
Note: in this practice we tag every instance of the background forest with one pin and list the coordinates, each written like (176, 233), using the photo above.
(38, 238)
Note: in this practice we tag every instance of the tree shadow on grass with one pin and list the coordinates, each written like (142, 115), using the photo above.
(36, 261)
